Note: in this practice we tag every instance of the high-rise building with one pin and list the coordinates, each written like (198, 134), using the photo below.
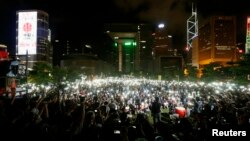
(144, 57)
(126, 50)
(165, 58)
(132, 47)
(32, 41)
(142, 48)
(162, 42)
(192, 33)
(217, 40)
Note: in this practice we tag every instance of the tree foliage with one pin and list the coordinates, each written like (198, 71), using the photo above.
(59, 74)
(211, 72)
(44, 73)
(41, 73)
(191, 73)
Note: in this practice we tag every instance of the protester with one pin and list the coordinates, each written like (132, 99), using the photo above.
(114, 113)
(156, 111)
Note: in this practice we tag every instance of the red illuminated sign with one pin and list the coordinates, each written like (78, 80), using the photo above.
(27, 27)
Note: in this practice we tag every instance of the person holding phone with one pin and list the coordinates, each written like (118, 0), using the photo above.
(156, 111)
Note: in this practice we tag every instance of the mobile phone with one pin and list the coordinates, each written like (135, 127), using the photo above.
(130, 116)
(117, 132)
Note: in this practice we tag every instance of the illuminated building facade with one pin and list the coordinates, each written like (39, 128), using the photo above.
(217, 40)
(126, 46)
(143, 48)
(192, 33)
(33, 36)
(144, 52)
(165, 57)
(162, 42)
(4, 54)
(247, 49)
(132, 49)
(4, 67)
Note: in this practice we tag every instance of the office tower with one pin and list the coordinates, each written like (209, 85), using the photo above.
(165, 58)
(144, 57)
(32, 41)
(125, 46)
(192, 33)
(217, 40)
(162, 42)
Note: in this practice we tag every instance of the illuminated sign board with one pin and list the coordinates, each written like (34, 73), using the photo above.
(248, 26)
(247, 50)
(27, 33)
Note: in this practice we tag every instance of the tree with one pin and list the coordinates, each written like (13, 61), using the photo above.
(41, 73)
(59, 74)
(211, 72)
(72, 75)
(240, 72)
(191, 73)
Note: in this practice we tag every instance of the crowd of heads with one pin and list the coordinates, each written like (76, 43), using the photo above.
(107, 109)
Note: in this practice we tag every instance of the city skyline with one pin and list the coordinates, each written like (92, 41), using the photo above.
(83, 21)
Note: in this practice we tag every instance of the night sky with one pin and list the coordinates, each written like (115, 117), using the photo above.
(82, 21)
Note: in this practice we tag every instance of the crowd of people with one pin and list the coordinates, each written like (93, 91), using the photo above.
(125, 109)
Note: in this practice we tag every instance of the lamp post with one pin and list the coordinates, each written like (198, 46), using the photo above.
(26, 73)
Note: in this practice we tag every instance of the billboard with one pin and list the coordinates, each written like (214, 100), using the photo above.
(27, 33)
(247, 50)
